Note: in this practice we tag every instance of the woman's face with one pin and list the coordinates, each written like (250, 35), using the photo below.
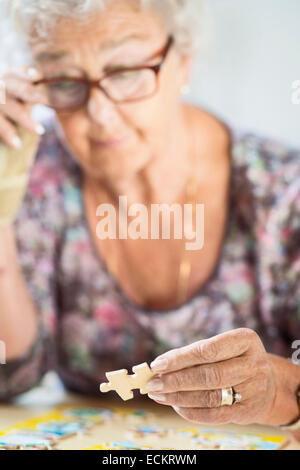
(115, 140)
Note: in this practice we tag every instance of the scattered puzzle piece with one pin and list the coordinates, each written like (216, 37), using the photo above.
(118, 431)
(146, 431)
(63, 428)
(123, 384)
(119, 445)
(94, 415)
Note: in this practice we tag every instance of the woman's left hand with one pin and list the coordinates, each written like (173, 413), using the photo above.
(192, 378)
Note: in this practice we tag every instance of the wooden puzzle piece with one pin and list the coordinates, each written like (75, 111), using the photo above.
(123, 384)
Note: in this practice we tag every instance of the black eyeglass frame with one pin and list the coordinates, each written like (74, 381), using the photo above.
(97, 83)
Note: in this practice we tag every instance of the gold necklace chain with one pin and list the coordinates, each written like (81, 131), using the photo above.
(185, 267)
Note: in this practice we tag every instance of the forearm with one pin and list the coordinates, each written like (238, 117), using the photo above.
(285, 409)
(18, 318)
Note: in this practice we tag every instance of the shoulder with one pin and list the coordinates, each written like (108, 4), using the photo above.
(272, 172)
(263, 167)
(213, 134)
(270, 166)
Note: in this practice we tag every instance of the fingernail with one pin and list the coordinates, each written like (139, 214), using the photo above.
(40, 129)
(155, 385)
(159, 365)
(33, 73)
(157, 397)
(16, 142)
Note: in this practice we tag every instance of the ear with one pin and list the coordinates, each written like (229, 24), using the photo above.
(184, 67)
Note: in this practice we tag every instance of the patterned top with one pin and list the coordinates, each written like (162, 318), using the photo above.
(88, 326)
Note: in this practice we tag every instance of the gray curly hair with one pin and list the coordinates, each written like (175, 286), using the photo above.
(184, 19)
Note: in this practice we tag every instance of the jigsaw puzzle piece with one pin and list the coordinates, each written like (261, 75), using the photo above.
(118, 382)
(143, 374)
(123, 384)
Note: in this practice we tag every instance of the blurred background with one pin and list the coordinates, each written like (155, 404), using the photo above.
(246, 72)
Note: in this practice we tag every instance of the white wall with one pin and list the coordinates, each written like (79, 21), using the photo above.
(246, 74)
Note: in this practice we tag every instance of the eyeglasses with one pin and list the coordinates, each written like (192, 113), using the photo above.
(122, 86)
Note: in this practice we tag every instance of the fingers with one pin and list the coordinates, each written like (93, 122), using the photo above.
(202, 399)
(23, 90)
(20, 114)
(220, 348)
(25, 73)
(20, 83)
(21, 95)
(8, 134)
(197, 399)
(206, 377)
(213, 416)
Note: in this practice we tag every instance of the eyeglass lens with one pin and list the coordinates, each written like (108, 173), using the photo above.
(123, 86)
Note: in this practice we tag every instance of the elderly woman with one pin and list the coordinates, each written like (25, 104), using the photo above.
(216, 322)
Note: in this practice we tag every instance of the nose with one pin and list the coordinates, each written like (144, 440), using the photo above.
(102, 110)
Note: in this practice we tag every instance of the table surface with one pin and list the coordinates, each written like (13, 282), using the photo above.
(38, 402)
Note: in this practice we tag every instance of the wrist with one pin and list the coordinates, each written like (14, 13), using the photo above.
(294, 427)
(285, 408)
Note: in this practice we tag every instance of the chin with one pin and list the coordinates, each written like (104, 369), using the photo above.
(119, 162)
(113, 165)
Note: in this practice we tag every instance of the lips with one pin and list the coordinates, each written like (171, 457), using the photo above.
(109, 143)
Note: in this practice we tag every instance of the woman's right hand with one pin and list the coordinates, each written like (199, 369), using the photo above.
(21, 95)
(18, 139)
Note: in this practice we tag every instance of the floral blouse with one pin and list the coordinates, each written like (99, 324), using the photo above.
(88, 326)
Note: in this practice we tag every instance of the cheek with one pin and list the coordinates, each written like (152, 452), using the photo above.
(75, 129)
(154, 115)
(74, 125)
(157, 113)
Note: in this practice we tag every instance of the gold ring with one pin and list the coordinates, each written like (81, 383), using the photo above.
(227, 396)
